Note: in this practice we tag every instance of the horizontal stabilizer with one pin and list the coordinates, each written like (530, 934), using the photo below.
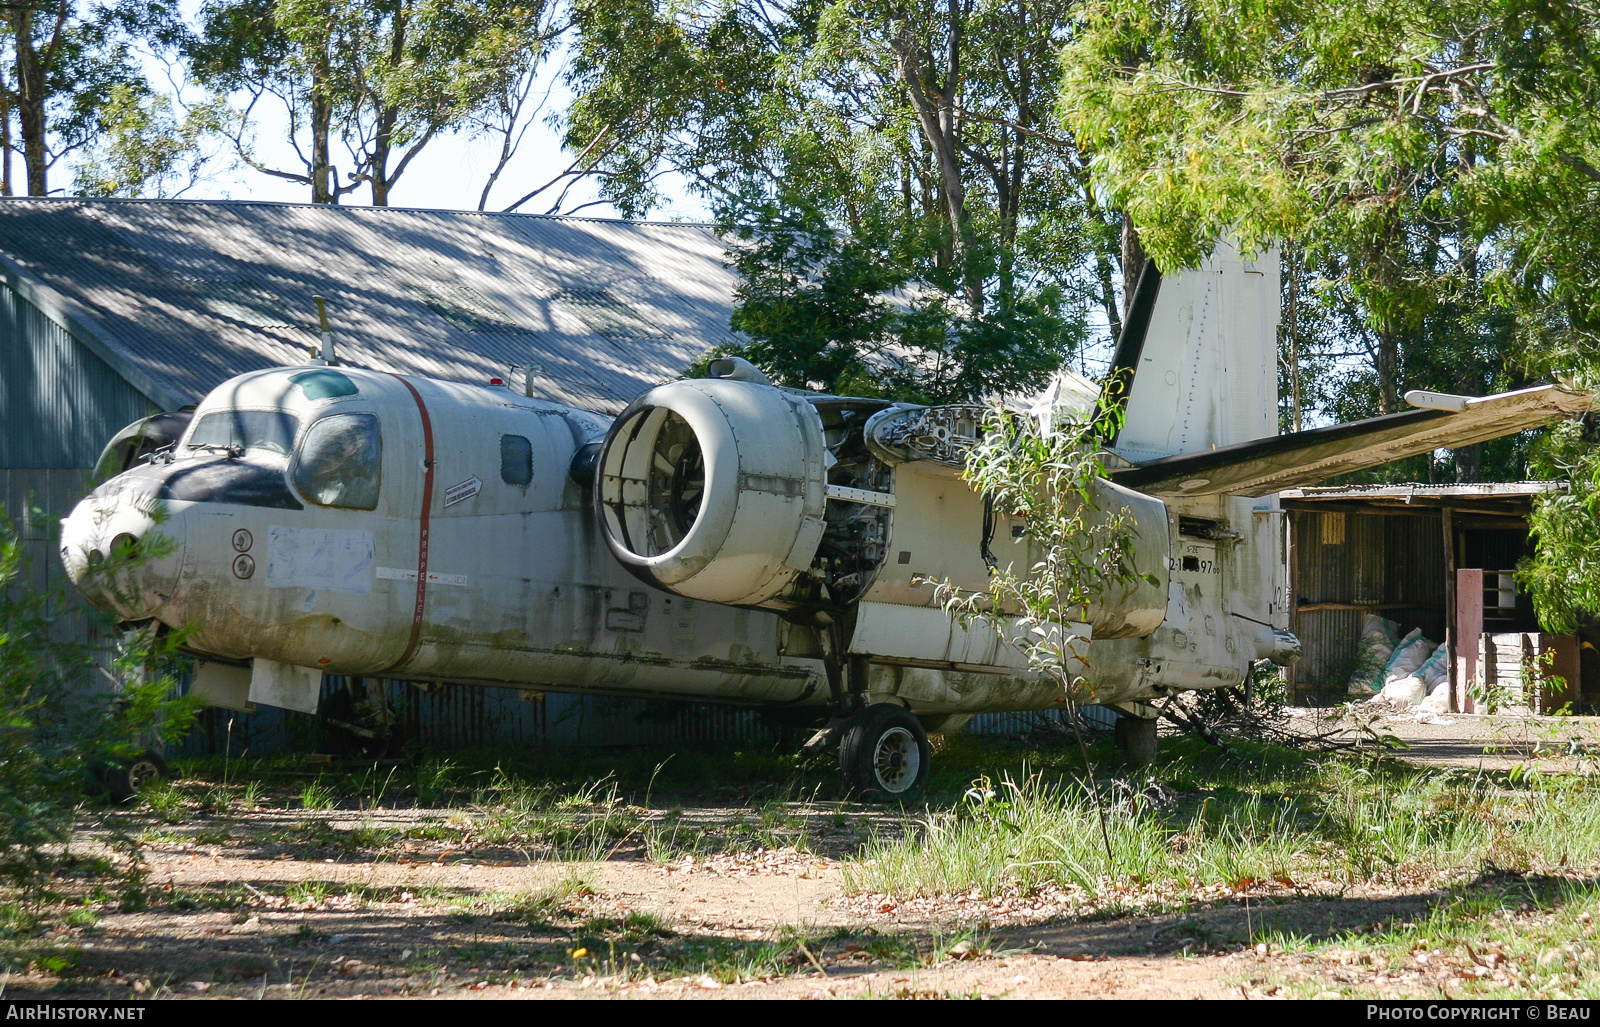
(1270, 465)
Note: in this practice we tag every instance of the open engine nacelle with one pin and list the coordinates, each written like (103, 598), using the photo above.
(715, 489)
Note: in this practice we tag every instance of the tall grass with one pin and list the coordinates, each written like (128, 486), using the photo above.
(587, 822)
(1339, 822)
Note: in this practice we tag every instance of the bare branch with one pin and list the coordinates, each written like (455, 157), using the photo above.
(571, 169)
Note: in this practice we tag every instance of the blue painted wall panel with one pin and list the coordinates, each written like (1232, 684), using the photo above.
(59, 403)
(450, 716)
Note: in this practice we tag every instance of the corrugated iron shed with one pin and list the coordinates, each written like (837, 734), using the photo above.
(1393, 550)
(175, 296)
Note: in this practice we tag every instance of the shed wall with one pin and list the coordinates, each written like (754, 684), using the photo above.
(59, 403)
(450, 716)
(1391, 565)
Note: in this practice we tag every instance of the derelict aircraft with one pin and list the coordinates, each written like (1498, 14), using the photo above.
(723, 539)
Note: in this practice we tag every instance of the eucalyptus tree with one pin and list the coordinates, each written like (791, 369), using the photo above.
(62, 65)
(1441, 158)
(383, 77)
(1394, 140)
(919, 138)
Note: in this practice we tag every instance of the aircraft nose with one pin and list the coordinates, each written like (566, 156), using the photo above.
(123, 550)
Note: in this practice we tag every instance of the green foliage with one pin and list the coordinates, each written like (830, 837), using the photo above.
(1079, 545)
(61, 714)
(70, 69)
(872, 143)
(1434, 166)
(841, 312)
(1564, 575)
(1356, 133)
(145, 150)
(1254, 818)
(385, 78)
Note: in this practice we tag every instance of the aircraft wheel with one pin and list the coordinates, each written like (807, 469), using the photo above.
(883, 752)
(125, 777)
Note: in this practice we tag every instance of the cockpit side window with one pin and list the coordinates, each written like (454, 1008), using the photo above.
(516, 460)
(340, 462)
(269, 430)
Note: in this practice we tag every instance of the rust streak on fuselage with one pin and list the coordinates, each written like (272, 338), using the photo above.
(422, 541)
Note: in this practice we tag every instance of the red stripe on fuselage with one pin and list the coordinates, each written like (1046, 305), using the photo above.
(422, 540)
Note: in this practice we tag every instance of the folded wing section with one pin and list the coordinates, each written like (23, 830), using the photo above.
(1268, 465)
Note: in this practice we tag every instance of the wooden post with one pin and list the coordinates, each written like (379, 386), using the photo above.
(1290, 532)
(1446, 521)
(1469, 632)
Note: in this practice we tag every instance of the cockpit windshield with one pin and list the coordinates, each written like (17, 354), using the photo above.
(270, 430)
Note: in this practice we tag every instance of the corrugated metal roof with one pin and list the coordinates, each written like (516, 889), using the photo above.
(178, 295)
(1406, 489)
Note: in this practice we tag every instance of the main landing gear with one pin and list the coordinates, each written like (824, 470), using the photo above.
(883, 749)
(884, 753)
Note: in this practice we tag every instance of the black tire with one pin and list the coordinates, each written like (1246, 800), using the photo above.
(125, 777)
(884, 754)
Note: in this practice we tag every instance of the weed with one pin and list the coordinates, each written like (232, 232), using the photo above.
(539, 906)
(1495, 936)
(435, 778)
(1328, 819)
(365, 836)
(584, 824)
(317, 796)
(433, 832)
(308, 893)
(167, 802)
(637, 925)
(82, 916)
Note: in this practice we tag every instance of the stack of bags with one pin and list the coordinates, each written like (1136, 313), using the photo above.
(1407, 671)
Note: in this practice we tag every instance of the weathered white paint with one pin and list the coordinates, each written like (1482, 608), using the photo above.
(222, 684)
(285, 685)
(335, 559)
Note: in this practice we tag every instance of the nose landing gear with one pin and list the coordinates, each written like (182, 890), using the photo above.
(883, 749)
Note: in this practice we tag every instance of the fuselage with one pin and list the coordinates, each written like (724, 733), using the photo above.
(364, 523)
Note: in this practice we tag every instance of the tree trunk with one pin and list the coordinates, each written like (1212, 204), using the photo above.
(937, 118)
(5, 141)
(1295, 422)
(30, 101)
(387, 117)
(323, 188)
(1132, 262)
(378, 169)
(1388, 367)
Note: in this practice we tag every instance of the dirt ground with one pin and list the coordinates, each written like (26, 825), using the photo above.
(402, 940)
(1466, 740)
(414, 918)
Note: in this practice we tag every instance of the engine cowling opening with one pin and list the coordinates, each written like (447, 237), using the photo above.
(715, 489)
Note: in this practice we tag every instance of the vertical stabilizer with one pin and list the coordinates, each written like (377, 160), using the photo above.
(1207, 375)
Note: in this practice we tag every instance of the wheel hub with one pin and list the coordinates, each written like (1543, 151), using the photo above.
(896, 760)
(142, 773)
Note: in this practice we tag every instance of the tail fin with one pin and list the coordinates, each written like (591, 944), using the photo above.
(1207, 373)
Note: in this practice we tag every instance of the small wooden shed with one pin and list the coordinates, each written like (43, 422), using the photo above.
(1439, 558)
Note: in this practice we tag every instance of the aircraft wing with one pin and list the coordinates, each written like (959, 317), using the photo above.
(1270, 465)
